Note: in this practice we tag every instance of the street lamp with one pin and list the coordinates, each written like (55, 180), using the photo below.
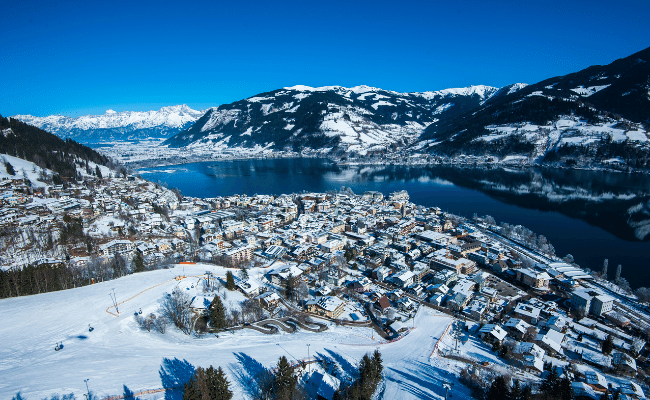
(448, 386)
(88, 390)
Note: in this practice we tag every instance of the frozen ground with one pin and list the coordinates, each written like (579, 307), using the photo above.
(118, 353)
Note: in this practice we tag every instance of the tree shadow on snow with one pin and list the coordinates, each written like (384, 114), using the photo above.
(251, 375)
(128, 394)
(347, 368)
(420, 379)
(174, 374)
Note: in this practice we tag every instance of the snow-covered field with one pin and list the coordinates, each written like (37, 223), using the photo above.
(118, 353)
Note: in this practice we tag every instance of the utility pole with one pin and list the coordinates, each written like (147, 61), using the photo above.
(308, 364)
(114, 301)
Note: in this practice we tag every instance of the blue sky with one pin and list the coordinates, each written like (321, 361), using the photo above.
(75, 58)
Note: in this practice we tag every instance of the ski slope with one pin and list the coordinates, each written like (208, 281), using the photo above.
(117, 353)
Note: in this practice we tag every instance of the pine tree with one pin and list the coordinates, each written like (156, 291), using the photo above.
(284, 383)
(191, 388)
(289, 286)
(608, 345)
(217, 314)
(498, 389)
(549, 384)
(564, 391)
(221, 386)
(603, 273)
(207, 384)
(377, 365)
(138, 263)
(526, 393)
(515, 391)
(98, 172)
(230, 281)
(10, 168)
(617, 276)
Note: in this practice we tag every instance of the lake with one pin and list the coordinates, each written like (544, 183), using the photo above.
(590, 215)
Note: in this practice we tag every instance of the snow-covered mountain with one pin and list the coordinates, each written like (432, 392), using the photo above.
(360, 119)
(113, 125)
(600, 113)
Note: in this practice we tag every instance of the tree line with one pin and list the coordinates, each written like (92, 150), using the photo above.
(45, 149)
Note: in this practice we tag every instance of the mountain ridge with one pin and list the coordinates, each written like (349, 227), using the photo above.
(112, 125)
(329, 119)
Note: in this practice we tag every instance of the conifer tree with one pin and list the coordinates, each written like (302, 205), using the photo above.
(377, 365)
(550, 383)
(290, 286)
(138, 263)
(498, 389)
(515, 391)
(221, 385)
(608, 345)
(284, 383)
(230, 281)
(526, 393)
(98, 172)
(564, 391)
(207, 384)
(617, 275)
(9, 168)
(217, 314)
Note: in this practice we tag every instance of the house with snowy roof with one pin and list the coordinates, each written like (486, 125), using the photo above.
(624, 364)
(551, 341)
(492, 333)
(530, 355)
(329, 306)
(517, 327)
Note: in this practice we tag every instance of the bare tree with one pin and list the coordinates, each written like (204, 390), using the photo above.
(176, 308)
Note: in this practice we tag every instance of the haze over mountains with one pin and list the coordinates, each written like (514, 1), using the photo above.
(601, 113)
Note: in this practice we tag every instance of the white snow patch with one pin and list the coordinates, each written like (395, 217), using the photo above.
(586, 92)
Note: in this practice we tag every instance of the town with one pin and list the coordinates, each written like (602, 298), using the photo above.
(357, 260)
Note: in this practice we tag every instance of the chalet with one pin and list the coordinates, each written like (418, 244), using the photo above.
(382, 304)
(528, 313)
(624, 364)
(269, 299)
(530, 355)
(517, 327)
(491, 333)
(328, 306)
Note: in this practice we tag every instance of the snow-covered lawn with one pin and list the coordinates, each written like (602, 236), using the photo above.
(118, 353)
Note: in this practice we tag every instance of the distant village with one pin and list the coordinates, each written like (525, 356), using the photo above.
(350, 258)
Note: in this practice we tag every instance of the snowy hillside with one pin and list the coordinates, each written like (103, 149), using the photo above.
(35, 174)
(360, 119)
(118, 355)
(117, 125)
(600, 113)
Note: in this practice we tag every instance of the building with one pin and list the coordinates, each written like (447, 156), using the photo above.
(491, 333)
(116, 247)
(601, 304)
(328, 306)
(581, 300)
(238, 255)
(533, 279)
